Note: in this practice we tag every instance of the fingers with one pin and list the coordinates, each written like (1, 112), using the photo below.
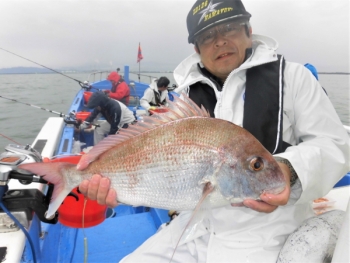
(259, 206)
(98, 188)
(279, 199)
(93, 187)
(111, 199)
(83, 187)
(269, 202)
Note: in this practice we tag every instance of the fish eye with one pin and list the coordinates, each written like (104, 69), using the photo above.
(256, 164)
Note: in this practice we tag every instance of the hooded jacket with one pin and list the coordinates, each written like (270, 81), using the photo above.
(149, 97)
(110, 110)
(121, 90)
(319, 154)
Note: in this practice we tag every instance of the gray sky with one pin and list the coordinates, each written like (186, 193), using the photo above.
(100, 34)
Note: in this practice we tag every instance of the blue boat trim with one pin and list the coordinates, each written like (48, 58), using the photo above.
(344, 181)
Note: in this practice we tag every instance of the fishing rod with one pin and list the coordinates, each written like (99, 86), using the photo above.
(41, 108)
(82, 84)
(69, 119)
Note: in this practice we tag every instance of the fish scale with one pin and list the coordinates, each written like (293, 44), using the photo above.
(166, 160)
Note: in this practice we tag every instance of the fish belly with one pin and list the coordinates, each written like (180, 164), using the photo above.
(170, 178)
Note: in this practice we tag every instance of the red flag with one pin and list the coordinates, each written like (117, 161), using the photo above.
(139, 54)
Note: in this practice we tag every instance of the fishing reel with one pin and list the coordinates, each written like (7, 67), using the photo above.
(12, 158)
(24, 199)
(71, 119)
(85, 85)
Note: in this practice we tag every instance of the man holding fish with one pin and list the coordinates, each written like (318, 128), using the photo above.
(238, 77)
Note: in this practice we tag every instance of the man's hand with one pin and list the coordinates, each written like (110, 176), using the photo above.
(98, 188)
(84, 125)
(269, 202)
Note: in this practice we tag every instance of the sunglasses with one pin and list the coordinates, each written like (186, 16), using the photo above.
(226, 30)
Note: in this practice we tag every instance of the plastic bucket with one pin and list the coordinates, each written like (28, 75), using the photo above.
(71, 210)
(82, 115)
(159, 110)
(87, 95)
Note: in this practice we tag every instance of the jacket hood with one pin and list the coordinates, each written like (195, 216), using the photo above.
(187, 69)
(98, 98)
(113, 76)
(153, 85)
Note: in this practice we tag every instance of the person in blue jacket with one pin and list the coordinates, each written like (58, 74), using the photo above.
(313, 70)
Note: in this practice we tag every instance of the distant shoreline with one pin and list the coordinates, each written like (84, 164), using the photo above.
(335, 73)
(34, 70)
(77, 72)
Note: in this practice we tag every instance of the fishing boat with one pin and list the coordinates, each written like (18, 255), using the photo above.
(111, 233)
(82, 230)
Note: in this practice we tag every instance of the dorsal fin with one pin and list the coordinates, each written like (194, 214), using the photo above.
(177, 109)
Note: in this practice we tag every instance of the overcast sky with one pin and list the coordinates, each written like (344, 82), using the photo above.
(99, 33)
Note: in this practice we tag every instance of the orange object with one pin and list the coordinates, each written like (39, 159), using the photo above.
(82, 115)
(87, 95)
(71, 210)
(159, 110)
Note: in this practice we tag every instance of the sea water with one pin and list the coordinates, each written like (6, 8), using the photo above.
(21, 122)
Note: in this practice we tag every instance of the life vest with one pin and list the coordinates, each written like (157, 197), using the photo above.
(263, 105)
(114, 87)
(157, 99)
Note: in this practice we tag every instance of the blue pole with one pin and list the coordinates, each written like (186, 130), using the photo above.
(126, 74)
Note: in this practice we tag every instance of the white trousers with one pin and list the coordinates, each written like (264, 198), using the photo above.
(101, 132)
(232, 234)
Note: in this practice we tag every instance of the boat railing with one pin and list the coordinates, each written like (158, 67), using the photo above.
(98, 75)
(143, 75)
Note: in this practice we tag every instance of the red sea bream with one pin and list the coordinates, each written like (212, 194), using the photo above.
(166, 160)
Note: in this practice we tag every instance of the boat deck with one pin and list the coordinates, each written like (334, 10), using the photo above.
(109, 241)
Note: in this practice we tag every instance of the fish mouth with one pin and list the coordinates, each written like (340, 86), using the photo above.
(275, 191)
(224, 55)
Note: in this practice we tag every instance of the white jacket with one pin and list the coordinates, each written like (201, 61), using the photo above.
(320, 156)
(148, 96)
(127, 115)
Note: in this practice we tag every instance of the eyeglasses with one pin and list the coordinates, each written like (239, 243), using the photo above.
(226, 30)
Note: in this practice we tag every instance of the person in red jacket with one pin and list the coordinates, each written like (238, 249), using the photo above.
(120, 90)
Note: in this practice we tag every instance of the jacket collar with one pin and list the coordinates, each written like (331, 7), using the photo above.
(188, 72)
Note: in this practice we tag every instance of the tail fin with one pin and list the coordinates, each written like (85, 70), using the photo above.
(52, 172)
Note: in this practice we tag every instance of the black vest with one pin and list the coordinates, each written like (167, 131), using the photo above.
(157, 99)
(263, 105)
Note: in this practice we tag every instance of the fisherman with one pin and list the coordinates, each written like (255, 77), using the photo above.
(116, 115)
(240, 78)
(156, 94)
(120, 90)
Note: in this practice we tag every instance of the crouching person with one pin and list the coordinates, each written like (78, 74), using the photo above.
(116, 115)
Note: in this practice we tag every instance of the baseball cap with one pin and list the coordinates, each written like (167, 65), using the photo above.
(205, 14)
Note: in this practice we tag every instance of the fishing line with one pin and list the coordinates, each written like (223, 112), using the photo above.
(85, 238)
(80, 82)
(10, 139)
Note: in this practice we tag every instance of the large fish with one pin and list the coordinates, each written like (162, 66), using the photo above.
(169, 159)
